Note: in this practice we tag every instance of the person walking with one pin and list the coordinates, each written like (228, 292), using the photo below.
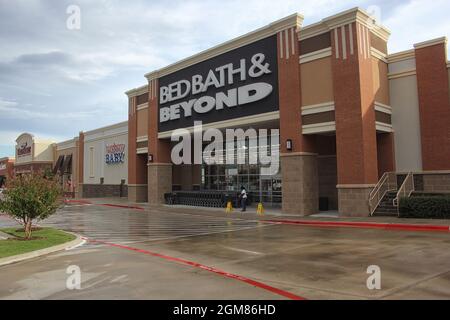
(243, 197)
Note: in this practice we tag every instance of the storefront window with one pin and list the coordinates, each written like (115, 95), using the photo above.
(226, 178)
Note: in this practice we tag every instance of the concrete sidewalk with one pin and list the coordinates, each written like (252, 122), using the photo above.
(251, 214)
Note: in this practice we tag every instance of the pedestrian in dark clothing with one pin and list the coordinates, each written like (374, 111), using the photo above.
(243, 197)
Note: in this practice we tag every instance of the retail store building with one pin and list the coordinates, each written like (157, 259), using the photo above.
(33, 154)
(6, 170)
(347, 112)
(66, 166)
(103, 162)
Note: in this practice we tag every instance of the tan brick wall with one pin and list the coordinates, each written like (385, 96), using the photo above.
(436, 183)
(142, 122)
(353, 202)
(317, 82)
(138, 193)
(300, 184)
(159, 182)
(380, 81)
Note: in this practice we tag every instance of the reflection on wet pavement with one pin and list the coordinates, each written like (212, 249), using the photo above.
(120, 225)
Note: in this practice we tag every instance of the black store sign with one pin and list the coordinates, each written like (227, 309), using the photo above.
(239, 83)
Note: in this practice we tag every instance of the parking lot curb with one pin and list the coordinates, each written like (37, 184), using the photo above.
(42, 252)
(365, 225)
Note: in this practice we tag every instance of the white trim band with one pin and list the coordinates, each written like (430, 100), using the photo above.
(384, 127)
(433, 42)
(319, 54)
(142, 139)
(383, 108)
(379, 55)
(137, 91)
(401, 56)
(141, 150)
(318, 108)
(402, 74)
(319, 127)
(142, 106)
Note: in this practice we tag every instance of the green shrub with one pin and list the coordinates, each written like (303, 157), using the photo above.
(426, 207)
(31, 197)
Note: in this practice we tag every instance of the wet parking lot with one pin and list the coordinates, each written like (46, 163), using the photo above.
(176, 253)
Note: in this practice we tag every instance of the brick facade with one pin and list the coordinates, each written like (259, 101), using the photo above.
(138, 193)
(300, 184)
(159, 182)
(434, 106)
(103, 191)
(353, 201)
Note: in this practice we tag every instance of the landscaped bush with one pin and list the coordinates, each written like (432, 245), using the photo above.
(428, 207)
(31, 197)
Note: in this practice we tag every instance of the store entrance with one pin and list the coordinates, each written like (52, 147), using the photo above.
(229, 178)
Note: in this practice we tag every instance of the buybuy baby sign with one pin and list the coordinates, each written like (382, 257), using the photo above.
(238, 83)
(115, 153)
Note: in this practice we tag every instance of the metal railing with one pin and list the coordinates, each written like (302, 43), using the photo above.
(406, 189)
(387, 183)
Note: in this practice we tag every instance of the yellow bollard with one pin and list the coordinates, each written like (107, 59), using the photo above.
(229, 208)
(260, 210)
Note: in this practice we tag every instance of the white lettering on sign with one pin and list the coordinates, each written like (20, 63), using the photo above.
(218, 78)
(115, 153)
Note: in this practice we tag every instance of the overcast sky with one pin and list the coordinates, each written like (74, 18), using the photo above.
(55, 81)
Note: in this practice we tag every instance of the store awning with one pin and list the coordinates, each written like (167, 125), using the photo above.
(67, 165)
(58, 164)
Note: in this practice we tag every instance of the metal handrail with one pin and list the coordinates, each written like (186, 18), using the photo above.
(405, 191)
(380, 190)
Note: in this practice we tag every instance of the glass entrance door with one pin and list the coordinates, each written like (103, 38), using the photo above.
(230, 178)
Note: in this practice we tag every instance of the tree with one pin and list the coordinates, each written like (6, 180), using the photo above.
(31, 197)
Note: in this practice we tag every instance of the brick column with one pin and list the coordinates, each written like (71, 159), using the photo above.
(356, 144)
(80, 146)
(434, 105)
(160, 170)
(137, 164)
(298, 166)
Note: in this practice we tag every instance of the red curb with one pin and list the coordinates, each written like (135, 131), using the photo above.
(206, 268)
(120, 206)
(77, 201)
(105, 204)
(366, 225)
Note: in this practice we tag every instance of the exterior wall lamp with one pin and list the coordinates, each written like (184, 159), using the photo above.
(289, 145)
